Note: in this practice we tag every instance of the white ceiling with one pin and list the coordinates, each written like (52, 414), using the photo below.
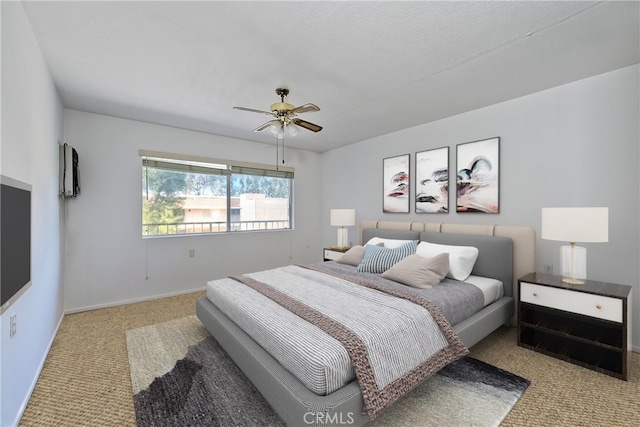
(372, 67)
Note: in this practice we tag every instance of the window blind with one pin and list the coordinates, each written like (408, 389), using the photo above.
(187, 163)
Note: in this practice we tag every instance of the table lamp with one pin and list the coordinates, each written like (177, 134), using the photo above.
(580, 224)
(343, 218)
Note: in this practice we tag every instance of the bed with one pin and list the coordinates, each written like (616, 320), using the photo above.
(504, 253)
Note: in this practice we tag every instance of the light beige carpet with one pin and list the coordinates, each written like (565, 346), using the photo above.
(86, 378)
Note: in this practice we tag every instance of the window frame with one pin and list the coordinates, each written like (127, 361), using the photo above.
(228, 168)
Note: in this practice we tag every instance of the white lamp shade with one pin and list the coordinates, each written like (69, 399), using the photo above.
(575, 224)
(343, 217)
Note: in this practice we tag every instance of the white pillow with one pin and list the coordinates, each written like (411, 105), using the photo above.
(461, 258)
(387, 243)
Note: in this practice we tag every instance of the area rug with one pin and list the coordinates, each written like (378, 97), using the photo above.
(181, 376)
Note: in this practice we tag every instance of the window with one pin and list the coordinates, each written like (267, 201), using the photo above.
(188, 195)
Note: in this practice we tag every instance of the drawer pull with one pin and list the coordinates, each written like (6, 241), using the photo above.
(598, 306)
(535, 294)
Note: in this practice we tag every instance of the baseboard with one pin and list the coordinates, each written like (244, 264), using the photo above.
(23, 407)
(132, 301)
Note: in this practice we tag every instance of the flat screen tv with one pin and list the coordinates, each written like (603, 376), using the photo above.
(15, 240)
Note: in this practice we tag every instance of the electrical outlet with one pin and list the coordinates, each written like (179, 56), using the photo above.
(192, 253)
(548, 269)
(12, 326)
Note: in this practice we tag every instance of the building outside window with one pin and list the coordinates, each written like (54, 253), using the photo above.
(184, 195)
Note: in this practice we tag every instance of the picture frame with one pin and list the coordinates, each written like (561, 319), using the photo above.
(432, 181)
(478, 176)
(395, 184)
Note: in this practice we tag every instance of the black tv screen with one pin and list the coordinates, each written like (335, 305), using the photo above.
(15, 239)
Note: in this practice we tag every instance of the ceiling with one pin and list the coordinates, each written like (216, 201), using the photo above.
(372, 68)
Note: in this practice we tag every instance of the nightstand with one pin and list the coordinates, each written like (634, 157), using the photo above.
(588, 325)
(332, 254)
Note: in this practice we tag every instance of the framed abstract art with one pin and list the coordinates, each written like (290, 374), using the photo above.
(395, 184)
(478, 176)
(432, 181)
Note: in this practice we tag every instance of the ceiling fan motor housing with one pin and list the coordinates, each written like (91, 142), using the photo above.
(281, 107)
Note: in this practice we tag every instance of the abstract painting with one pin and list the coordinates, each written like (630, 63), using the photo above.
(395, 186)
(478, 173)
(432, 181)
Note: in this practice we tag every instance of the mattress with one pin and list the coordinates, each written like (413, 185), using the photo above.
(492, 289)
(294, 343)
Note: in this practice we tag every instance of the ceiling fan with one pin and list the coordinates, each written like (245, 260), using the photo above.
(285, 116)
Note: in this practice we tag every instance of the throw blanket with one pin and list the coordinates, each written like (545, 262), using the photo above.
(394, 343)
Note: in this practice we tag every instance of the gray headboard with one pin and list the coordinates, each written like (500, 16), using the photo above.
(495, 257)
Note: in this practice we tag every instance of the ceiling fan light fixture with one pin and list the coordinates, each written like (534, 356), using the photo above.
(274, 128)
(292, 129)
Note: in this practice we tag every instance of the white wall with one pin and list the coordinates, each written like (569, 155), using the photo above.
(574, 145)
(107, 260)
(31, 130)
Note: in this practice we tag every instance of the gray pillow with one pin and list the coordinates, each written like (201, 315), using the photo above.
(353, 256)
(418, 271)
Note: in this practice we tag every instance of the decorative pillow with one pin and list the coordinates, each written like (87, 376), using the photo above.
(353, 256)
(378, 259)
(418, 271)
(461, 258)
(387, 243)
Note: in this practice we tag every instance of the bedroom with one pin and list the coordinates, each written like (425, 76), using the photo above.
(585, 132)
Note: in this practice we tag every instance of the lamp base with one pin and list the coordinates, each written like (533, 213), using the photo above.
(573, 264)
(343, 237)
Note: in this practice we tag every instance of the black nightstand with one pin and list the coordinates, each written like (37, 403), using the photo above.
(588, 325)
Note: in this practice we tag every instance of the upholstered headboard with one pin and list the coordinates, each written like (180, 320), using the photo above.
(491, 249)
(523, 240)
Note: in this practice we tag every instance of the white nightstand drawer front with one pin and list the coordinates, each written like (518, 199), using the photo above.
(576, 302)
(332, 255)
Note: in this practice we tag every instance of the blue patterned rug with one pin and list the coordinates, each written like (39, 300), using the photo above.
(206, 388)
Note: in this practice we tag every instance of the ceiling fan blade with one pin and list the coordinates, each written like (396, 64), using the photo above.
(307, 125)
(306, 108)
(252, 110)
(266, 125)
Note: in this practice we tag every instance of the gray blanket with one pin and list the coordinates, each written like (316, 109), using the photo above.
(457, 300)
(394, 343)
